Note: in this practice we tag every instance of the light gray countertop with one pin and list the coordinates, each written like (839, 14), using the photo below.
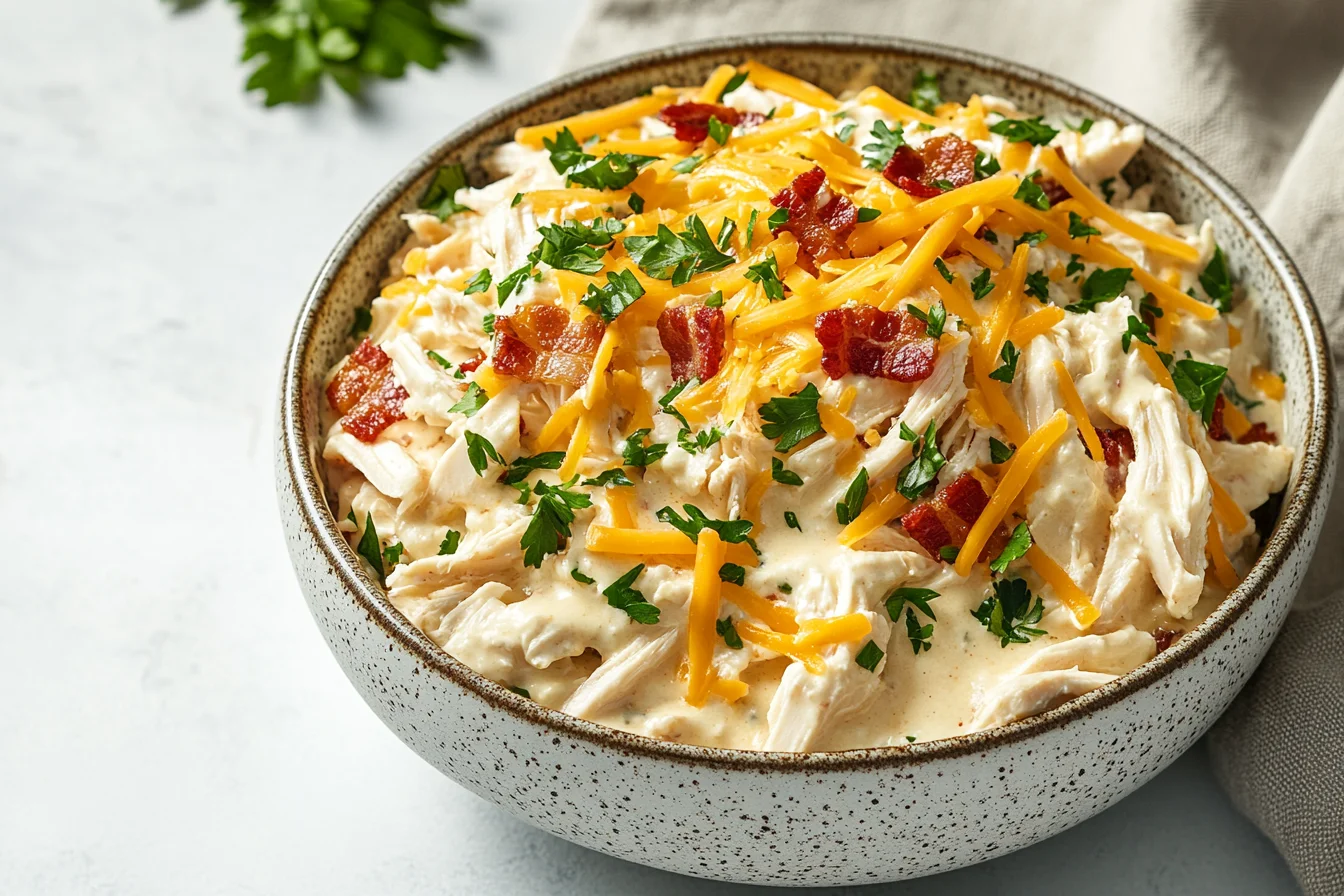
(172, 721)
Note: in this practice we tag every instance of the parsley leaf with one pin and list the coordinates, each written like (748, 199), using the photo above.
(985, 165)
(622, 291)
(1079, 229)
(1136, 329)
(549, 529)
(1074, 266)
(1217, 282)
(1031, 238)
(848, 509)
(636, 203)
(1101, 285)
(637, 454)
(1083, 126)
(726, 230)
(751, 225)
(766, 273)
(363, 320)
(1030, 193)
(479, 283)
(734, 82)
(719, 131)
(700, 441)
(440, 197)
(733, 531)
(1024, 130)
(918, 597)
(450, 542)
(370, 548)
(613, 477)
(728, 632)
(565, 151)
(677, 256)
(791, 520)
(1038, 286)
(622, 595)
(614, 171)
(581, 577)
(869, 214)
(949, 552)
(781, 475)
(943, 271)
(575, 246)
(688, 164)
(999, 452)
(920, 473)
(870, 656)
(846, 130)
(1199, 384)
(670, 396)
(982, 285)
(877, 154)
(778, 218)
(714, 299)
(512, 283)
(522, 467)
(1108, 188)
(1015, 549)
(934, 319)
(792, 419)
(472, 401)
(920, 635)
(478, 449)
(392, 553)
(733, 573)
(488, 324)
(925, 95)
(1009, 613)
(1008, 370)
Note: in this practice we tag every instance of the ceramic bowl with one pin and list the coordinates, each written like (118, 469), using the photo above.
(820, 818)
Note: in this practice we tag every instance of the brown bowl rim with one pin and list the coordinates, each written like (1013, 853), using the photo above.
(1294, 516)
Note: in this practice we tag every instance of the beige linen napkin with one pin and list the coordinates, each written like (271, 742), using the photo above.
(1256, 88)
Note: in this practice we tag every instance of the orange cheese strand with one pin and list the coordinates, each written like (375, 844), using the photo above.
(702, 614)
(783, 645)
(894, 108)
(1035, 324)
(901, 224)
(620, 504)
(1226, 509)
(878, 513)
(598, 121)
(1267, 383)
(558, 424)
(993, 397)
(920, 260)
(1073, 403)
(1069, 594)
(714, 84)
(979, 250)
(1236, 422)
(777, 615)
(642, 542)
(1057, 168)
(834, 421)
(1007, 305)
(1224, 573)
(729, 689)
(1155, 365)
(1020, 467)
(578, 444)
(834, 630)
(767, 78)
(597, 377)
(956, 297)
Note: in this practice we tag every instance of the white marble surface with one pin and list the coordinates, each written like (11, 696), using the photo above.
(172, 722)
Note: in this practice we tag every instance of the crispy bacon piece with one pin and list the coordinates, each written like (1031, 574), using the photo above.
(471, 364)
(692, 336)
(1117, 447)
(690, 121)
(1053, 189)
(1217, 429)
(1258, 432)
(366, 393)
(918, 171)
(541, 343)
(1165, 637)
(819, 218)
(947, 517)
(868, 341)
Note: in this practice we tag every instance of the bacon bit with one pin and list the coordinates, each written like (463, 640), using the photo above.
(1117, 447)
(868, 341)
(1165, 637)
(692, 336)
(819, 218)
(1217, 429)
(541, 343)
(1053, 189)
(366, 393)
(1258, 432)
(690, 121)
(946, 518)
(917, 172)
(471, 364)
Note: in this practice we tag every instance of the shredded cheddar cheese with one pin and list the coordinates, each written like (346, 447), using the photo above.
(1073, 403)
(703, 612)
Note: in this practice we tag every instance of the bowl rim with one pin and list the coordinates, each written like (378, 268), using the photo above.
(319, 520)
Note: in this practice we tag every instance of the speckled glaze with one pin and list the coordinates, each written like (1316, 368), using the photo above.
(821, 818)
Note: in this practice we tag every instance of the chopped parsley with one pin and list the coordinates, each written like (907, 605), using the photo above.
(848, 509)
(522, 467)
(521, 692)
(695, 443)
(949, 552)
(934, 319)
(1016, 548)
(1135, 329)
(982, 285)
(614, 171)
(636, 203)
(734, 82)
(920, 635)
(478, 449)
(778, 218)
(517, 198)
(665, 402)
(920, 473)
(925, 95)
(1031, 238)
(751, 225)
(728, 632)
(845, 131)
(472, 401)
(917, 597)
(1083, 126)
(766, 273)
(637, 454)
(1030, 193)
(779, 474)
(1217, 282)
(479, 283)
(870, 656)
(877, 154)
(369, 547)
(1075, 266)
(622, 291)
(733, 531)
(999, 452)
(1009, 614)
(512, 283)
(714, 299)
(719, 131)
(440, 197)
(1005, 372)
(1101, 285)
(451, 540)
(677, 256)
(439, 359)
(1108, 189)
(792, 419)
(613, 477)
(576, 246)
(791, 520)
(1199, 384)
(581, 577)
(488, 324)
(1024, 130)
(869, 214)
(1079, 229)
(363, 320)
(565, 151)
(688, 164)
(732, 573)
(622, 595)
(549, 529)
(392, 553)
(941, 267)
(726, 229)
(1038, 286)
(985, 165)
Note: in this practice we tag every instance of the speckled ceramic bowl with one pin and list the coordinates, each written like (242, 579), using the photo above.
(820, 818)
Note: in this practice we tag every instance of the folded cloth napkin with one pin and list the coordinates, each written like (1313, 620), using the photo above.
(1257, 90)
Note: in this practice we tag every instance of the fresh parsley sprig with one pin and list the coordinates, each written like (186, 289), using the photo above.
(623, 595)
(549, 529)
(885, 142)
(848, 510)
(1018, 544)
(1009, 613)
(920, 473)
(677, 256)
(791, 420)
(732, 531)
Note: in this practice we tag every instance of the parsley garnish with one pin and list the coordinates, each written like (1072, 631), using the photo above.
(581, 577)
(1074, 266)
(370, 548)
(522, 467)
(925, 95)
(999, 452)
(869, 214)
(479, 283)
(877, 154)
(1016, 548)
(450, 542)
(734, 82)
(781, 475)
(517, 198)
(714, 299)
(363, 320)
(733, 531)
(982, 285)
(1217, 282)
(566, 153)
(1108, 189)
(1199, 384)
(440, 197)
(1030, 192)
(488, 324)
(751, 225)
(637, 454)
(677, 257)
(778, 218)
(622, 595)
(688, 164)
(848, 509)
(985, 165)
(845, 131)
(478, 449)
(732, 573)
(392, 553)
(1008, 369)
(575, 246)
(786, 587)
(1038, 286)
(1136, 329)
(613, 477)
(719, 131)
(622, 291)
(766, 273)
(920, 635)
(920, 473)
(949, 552)
(792, 419)
(1009, 613)
(1031, 238)
(1101, 285)
(636, 203)
(726, 229)
(728, 632)
(1079, 229)
(614, 171)
(700, 441)
(1024, 130)
(512, 283)
(941, 267)
(934, 319)
(791, 520)
(439, 359)
(1083, 126)
(472, 401)
(670, 396)
(870, 656)
(549, 529)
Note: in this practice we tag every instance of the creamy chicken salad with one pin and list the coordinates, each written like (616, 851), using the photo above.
(748, 416)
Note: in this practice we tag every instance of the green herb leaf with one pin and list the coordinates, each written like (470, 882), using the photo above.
(1083, 126)
(517, 198)
(1016, 548)
(1024, 130)
(877, 154)
(734, 82)
(363, 320)
(999, 452)
(581, 577)
(392, 553)
(791, 520)
(751, 226)
(450, 542)
(766, 273)
(700, 441)
(472, 401)
(521, 692)
(870, 656)
(622, 291)
(1234, 396)
(479, 283)
(1217, 282)
(728, 632)
(565, 151)
(622, 595)
(1030, 193)
(941, 267)
(848, 509)
(925, 95)
(613, 477)
(1008, 369)
(934, 319)
(733, 531)
(1136, 329)
(714, 299)
(732, 573)
(1101, 285)
(792, 419)
(1108, 188)
(478, 449)
(370, 548)
(918, 597)
(781, 475)
(920, 635)
(614, 171)
(869, 214)
(1074, 266)
(1199, 384)
(1038, 286)
(778, 218)
(440, 197)
(575, 246)
(549, 529)
(1079, 229)
(846, 130)
(1009, 614)
(949, 552)
(488, 324)
(688, 164)
(637, 454)
(982, 285)
(670, 396)
(726, 229)
(1032, 238)
(512, 283)
(719, 131)
(677, 257)
(985, 165)
(921, 472)
(636, 203)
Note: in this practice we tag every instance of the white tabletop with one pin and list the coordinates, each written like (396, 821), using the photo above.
(172, 722)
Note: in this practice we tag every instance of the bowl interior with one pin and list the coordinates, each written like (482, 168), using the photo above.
(1184, 187)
